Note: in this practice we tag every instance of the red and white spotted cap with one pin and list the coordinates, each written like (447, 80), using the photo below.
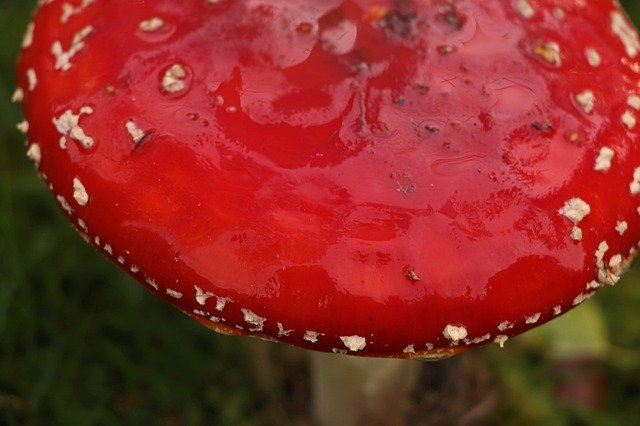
(381, 178)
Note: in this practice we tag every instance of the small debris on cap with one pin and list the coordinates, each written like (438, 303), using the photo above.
(27, 41)
(354, 343)
(34, 153)
(311, 336)
(524, 8)
(629, 120)
(593, 57)
(23, 126)
(576, 233)
(501, 340)
(549, 53)
(202, 296)
(603, 162)
(173, 80)
(63, 58)
(253, 319)
(150, 25)
(18, 95)
(532, 319)
(135, 132)
(80, 193)
(634, 101)
(455, 332)
(68, 123)
(634, 186)
(626, 33)
(575, 210)
(173, 293)
(32, 79)
(622, 227)
(586, 100)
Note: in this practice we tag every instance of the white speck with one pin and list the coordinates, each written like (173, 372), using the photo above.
(134, 269)
(255, 320)
(121, 260)
(454, 332)
(68, 123)
(23, 126)
(575, 210)
(221, 302)
(629, 120)
(533, 318)
(581, 298)
(34, 153)
(634, 102)
(201, 313)
(282, 331)
(80, 193)
(603, 162)
(586, 100)
(64, 204)
(429, 346)
(549, 52)
(108, 249)
(151, 25)
(524, 8)
(576, 233)
(32, 79)
(311, 336)
(477, 340)
(68, 10)
(83, 225)
(96, 240)
(634, 186)
(215, 319)
(174, 294)
(593, 57)
(27, 40)
(603, 247)
(336, 350)
(354, 343)
(152, 283)
(615, 261)
(63, 57)
(505, 325)
(592, 285)
(135, 132)
(410, 349)
(626, 33)
(557, 310)
(501, 340)
(78, 134)
(18, 95)
(201, 296)
(622, 227)
(604, 275)
(173, 79)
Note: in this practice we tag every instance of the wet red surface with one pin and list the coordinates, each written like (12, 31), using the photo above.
(351, 168)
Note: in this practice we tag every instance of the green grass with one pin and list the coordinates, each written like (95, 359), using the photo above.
(81, 344)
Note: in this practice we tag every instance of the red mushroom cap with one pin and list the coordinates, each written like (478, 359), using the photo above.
(384, 178)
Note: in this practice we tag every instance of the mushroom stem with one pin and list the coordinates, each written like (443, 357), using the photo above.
(352, 391)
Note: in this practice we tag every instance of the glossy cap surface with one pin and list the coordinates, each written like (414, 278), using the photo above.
(385, 178)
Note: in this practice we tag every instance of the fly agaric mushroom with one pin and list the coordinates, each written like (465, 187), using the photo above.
(380, 178)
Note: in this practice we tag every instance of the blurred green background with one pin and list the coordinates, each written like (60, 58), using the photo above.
(81, 344)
